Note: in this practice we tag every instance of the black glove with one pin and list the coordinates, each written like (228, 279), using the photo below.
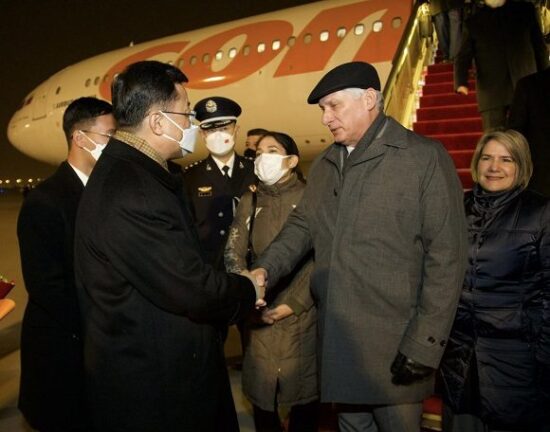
(405, 371)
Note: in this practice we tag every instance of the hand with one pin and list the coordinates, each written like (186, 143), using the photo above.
(270, 316)
(405, 370)
(260, 274)
(260, 290)
(462, 90)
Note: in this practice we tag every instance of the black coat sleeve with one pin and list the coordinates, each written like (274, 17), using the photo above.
(154, 245)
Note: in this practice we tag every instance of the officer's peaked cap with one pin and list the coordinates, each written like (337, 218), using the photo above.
(216, 111)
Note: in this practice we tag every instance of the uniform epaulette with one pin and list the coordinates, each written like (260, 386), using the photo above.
(193, 164)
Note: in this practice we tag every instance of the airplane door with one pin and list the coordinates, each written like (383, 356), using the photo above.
(39, 105)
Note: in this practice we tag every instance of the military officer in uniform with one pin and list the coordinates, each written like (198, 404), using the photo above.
(215, 184)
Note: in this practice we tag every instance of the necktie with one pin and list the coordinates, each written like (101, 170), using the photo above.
(225, 170)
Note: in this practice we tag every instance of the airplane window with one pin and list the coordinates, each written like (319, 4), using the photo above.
(193, 60)
(206, 58)
(88, 82)
(261, 47)
(341, 32)
(232, 52)
(377, 26)
(307, 38)
(276, 45)
(396, 22)
(359, 29)
(106, 77)
(180, 63)
(246, 50)
(96, 80)
(219, 55)
(57, 90)
(323, 37)
(291, 41)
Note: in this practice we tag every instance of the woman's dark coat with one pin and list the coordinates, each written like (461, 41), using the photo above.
(280, 359)
(501, 333)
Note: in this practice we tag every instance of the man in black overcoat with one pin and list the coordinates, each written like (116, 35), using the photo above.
(505, 41)
(153, 359)
(52, 374)
(215, 184)
(530, 115)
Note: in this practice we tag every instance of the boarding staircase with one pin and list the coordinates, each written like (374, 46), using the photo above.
(449, 117)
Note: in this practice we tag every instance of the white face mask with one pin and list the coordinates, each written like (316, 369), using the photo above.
(495, 3)
(188, 136)
(269, 168)
(220, 143)
(96, 152)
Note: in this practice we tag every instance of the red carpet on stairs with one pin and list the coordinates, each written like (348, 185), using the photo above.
(454, 120)
(450, 118)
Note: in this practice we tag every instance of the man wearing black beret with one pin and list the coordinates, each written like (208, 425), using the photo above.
(383, 211)
(216, 184)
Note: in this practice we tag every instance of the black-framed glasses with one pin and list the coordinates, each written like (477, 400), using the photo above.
(190, 114)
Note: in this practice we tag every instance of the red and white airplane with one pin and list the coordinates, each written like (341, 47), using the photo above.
(267, 63)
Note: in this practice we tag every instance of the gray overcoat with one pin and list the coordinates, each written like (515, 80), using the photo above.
(389, 234)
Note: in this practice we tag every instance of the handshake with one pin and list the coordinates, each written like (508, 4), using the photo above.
(259, 278)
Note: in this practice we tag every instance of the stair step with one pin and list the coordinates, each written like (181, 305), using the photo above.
(447, 99)
(462, 158)
(449, 126)
(447, 112)
(434, 78)
(458, 141)
(440, 67)
(444, 87)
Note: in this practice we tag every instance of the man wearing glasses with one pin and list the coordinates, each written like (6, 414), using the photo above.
(52, 373)
(216, 184)
(153, 356)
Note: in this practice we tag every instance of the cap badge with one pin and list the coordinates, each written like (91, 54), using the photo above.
(211, 106)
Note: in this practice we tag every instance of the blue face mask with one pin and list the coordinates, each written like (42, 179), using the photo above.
(188, 136)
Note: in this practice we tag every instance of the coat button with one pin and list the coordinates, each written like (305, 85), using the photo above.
(222, 232)
(442, 343)
(335, 192)
(431, 340)
(220, 214)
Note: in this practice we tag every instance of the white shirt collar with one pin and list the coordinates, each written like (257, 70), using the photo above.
(229, 163)
(83, 177)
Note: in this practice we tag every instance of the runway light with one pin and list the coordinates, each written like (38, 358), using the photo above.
(30, 180)
(18, 181)
(7, 181)
(1, 182)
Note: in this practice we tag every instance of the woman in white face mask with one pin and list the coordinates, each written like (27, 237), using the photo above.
(279, 365)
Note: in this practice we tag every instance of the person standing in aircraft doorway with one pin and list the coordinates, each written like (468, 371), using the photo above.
(216, 184)
(51, 395)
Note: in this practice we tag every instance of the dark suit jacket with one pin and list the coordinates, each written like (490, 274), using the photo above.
(51, 393)
(214, 200)
(153, 360)
(506, 44)
(530, 115)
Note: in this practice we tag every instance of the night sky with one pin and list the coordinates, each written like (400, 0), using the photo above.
(41, 37)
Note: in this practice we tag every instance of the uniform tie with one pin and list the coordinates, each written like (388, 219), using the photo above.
(225, 170)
